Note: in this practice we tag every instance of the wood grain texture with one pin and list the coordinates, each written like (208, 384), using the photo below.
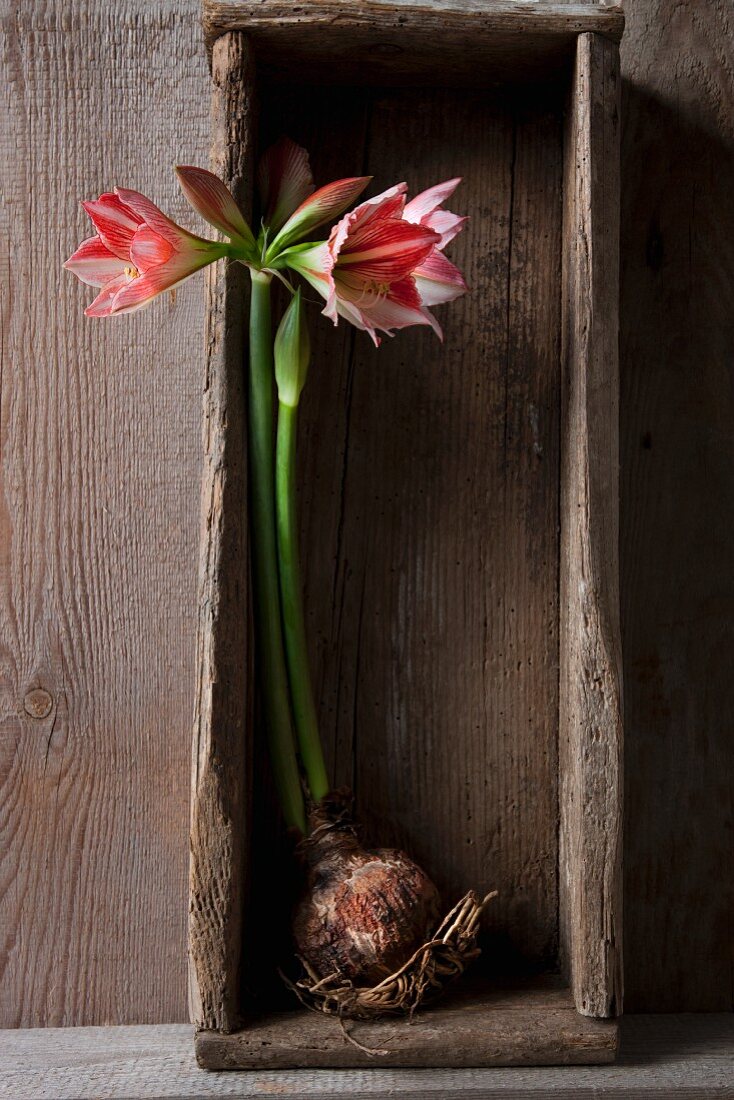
(532, 1026)
(590, 679)
(429, 510)
(100, 472)
(222, 750)
(441, 41)
(107, 94)
(660, 1058)
(677, 300)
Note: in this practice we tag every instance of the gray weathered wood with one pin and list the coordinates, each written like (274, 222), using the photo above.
(661, 1058)
(448, 41)
(677, 519)
(590, 691)
(100, 473)
(533, 1025)
(223, 719)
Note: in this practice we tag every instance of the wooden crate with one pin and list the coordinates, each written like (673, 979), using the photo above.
(459, 527)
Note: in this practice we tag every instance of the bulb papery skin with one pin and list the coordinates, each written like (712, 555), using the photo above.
(363, 912)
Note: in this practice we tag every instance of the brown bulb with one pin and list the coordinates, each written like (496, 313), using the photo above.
(363, 912)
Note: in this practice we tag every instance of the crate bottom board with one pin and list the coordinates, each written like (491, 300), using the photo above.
(482, 1024)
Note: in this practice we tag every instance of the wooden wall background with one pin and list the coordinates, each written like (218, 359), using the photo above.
(99, 515)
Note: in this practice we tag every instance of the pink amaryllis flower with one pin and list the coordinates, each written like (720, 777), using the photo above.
(383, 264)
(137, 252)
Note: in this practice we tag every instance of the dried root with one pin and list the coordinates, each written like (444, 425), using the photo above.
(421, 979)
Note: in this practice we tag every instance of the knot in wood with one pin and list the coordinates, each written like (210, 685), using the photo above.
(38, 703)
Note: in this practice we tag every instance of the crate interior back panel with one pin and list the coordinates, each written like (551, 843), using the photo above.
(449, 501)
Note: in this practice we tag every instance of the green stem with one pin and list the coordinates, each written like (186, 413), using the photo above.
(294, 627)
(270, 654)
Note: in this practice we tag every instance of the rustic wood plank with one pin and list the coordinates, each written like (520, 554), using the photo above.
(475, 1026)
(661, 1057)
(590, 716)
(677, 518)
(223, 722)
(400, 40)
(100, 469)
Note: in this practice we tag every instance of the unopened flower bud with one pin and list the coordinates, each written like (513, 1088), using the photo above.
(292, 353)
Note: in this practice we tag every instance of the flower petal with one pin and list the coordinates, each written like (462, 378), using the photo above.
(149, 249)
(427, 201)
(438, 280)
(284, 180)
(389, 204)
(102, 304)
(446, 224)
(210, 198)
(387, 251)
(146, 211)
(114, 221)
(93, 263)
(142, 290)
(357, 317)
(399, 309)
(314, 264)
(323, 206)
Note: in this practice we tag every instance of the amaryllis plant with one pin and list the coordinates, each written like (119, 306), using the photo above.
(364, 920)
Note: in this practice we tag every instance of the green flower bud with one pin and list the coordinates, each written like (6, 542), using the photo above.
(292, 353)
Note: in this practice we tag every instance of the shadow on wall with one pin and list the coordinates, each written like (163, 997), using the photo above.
(677, 550)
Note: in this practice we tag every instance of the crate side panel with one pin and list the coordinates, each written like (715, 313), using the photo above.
(532, 1024)
(591, 686)
(221, 751)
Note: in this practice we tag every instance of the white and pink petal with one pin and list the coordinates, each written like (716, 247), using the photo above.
(438, 280)
(427, 201)
(399, 308)
(103, 303)
(93, 263)
(446, 224)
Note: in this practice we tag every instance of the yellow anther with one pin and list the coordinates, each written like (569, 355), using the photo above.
(131, 272)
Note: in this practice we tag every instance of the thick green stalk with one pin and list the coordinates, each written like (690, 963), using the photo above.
(270, 654)
(294, 627)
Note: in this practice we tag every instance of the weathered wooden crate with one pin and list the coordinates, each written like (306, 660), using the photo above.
(459, 528)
